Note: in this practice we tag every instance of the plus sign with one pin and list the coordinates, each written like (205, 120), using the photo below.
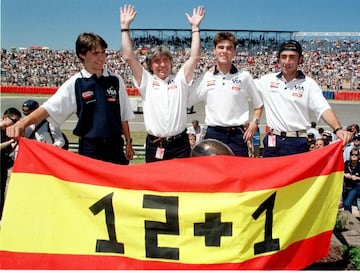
(213, 229)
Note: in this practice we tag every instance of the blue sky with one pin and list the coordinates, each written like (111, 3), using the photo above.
(56, 23)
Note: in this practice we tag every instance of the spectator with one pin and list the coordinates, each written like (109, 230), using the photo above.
(100, 101)
(289, 97)
(311, 137)
(311, 144)
(192, 140)
(355, 143)
(351, 187)
(328, 62)
(164, 95)
(255, 144)
(43, 131)
(313, 130)
(320, 143)
(354, 129)
(10, 116)
(328, 136)
(197, 129)
(226, 91)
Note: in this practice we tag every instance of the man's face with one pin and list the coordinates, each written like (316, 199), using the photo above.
(224, 52)
(289, 61)
(94, 60)
(161, 66)
(357, 142)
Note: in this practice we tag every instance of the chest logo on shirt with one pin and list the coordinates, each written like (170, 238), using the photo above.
(87, 94)
(236, 84)
(156, 84)
(210, 83)
(236, 81)
(274, 85)
(111, 93)
(298, 91)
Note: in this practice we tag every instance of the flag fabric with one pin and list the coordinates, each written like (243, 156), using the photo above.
(66, 211)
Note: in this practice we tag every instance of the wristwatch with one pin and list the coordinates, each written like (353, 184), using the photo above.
(129, 140)
(256, 120)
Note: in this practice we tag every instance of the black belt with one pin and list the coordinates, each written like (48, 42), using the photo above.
(300, 133)
(155, 139)
(230, 129)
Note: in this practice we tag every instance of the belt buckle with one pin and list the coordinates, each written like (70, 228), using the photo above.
(283, 134)
(168, 139)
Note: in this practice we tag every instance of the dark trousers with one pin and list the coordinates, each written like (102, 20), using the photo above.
(231, 136)
(174, 147)
(4, 176)
(105, 149)
(349, 195)
(285, 146)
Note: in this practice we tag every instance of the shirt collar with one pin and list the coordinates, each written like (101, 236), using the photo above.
(85, 74)
(300, 75)
(233, 70)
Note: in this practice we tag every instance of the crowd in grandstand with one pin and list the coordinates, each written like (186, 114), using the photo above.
(330, 63)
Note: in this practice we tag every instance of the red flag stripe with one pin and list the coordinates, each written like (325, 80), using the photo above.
(223, 170)
(299, 259)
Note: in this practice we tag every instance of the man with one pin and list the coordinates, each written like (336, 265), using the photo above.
(355, 143)
(100, 101)
(289, 97)
(42, 131)
(197, 130)
(10, 117)
(226, 91)
(164, 95)
(313, 130)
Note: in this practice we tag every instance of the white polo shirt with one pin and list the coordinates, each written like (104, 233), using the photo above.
(288, 104)
(164, 103)
(62, 104)
(226, 97)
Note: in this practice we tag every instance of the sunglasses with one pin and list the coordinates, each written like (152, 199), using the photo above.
(354, 154)
(14, 120)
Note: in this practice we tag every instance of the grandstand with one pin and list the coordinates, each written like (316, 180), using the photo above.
(332, 59)
(181, 38)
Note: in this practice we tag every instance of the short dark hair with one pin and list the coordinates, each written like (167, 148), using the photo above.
(87, 41)
(12, 111)
(221, 36)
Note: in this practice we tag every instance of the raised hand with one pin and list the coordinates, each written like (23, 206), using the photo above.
(127, 16)
(196, 18)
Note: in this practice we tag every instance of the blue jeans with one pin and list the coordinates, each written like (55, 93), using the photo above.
(349, 195)
(285, 146)
(234, 139)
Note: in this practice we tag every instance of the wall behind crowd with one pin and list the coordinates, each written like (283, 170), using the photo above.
(335, 65)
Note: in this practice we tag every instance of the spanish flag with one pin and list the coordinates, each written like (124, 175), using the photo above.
(66, 211)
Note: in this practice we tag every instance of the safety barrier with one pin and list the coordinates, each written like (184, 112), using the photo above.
(347, 95)
(46, 90)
